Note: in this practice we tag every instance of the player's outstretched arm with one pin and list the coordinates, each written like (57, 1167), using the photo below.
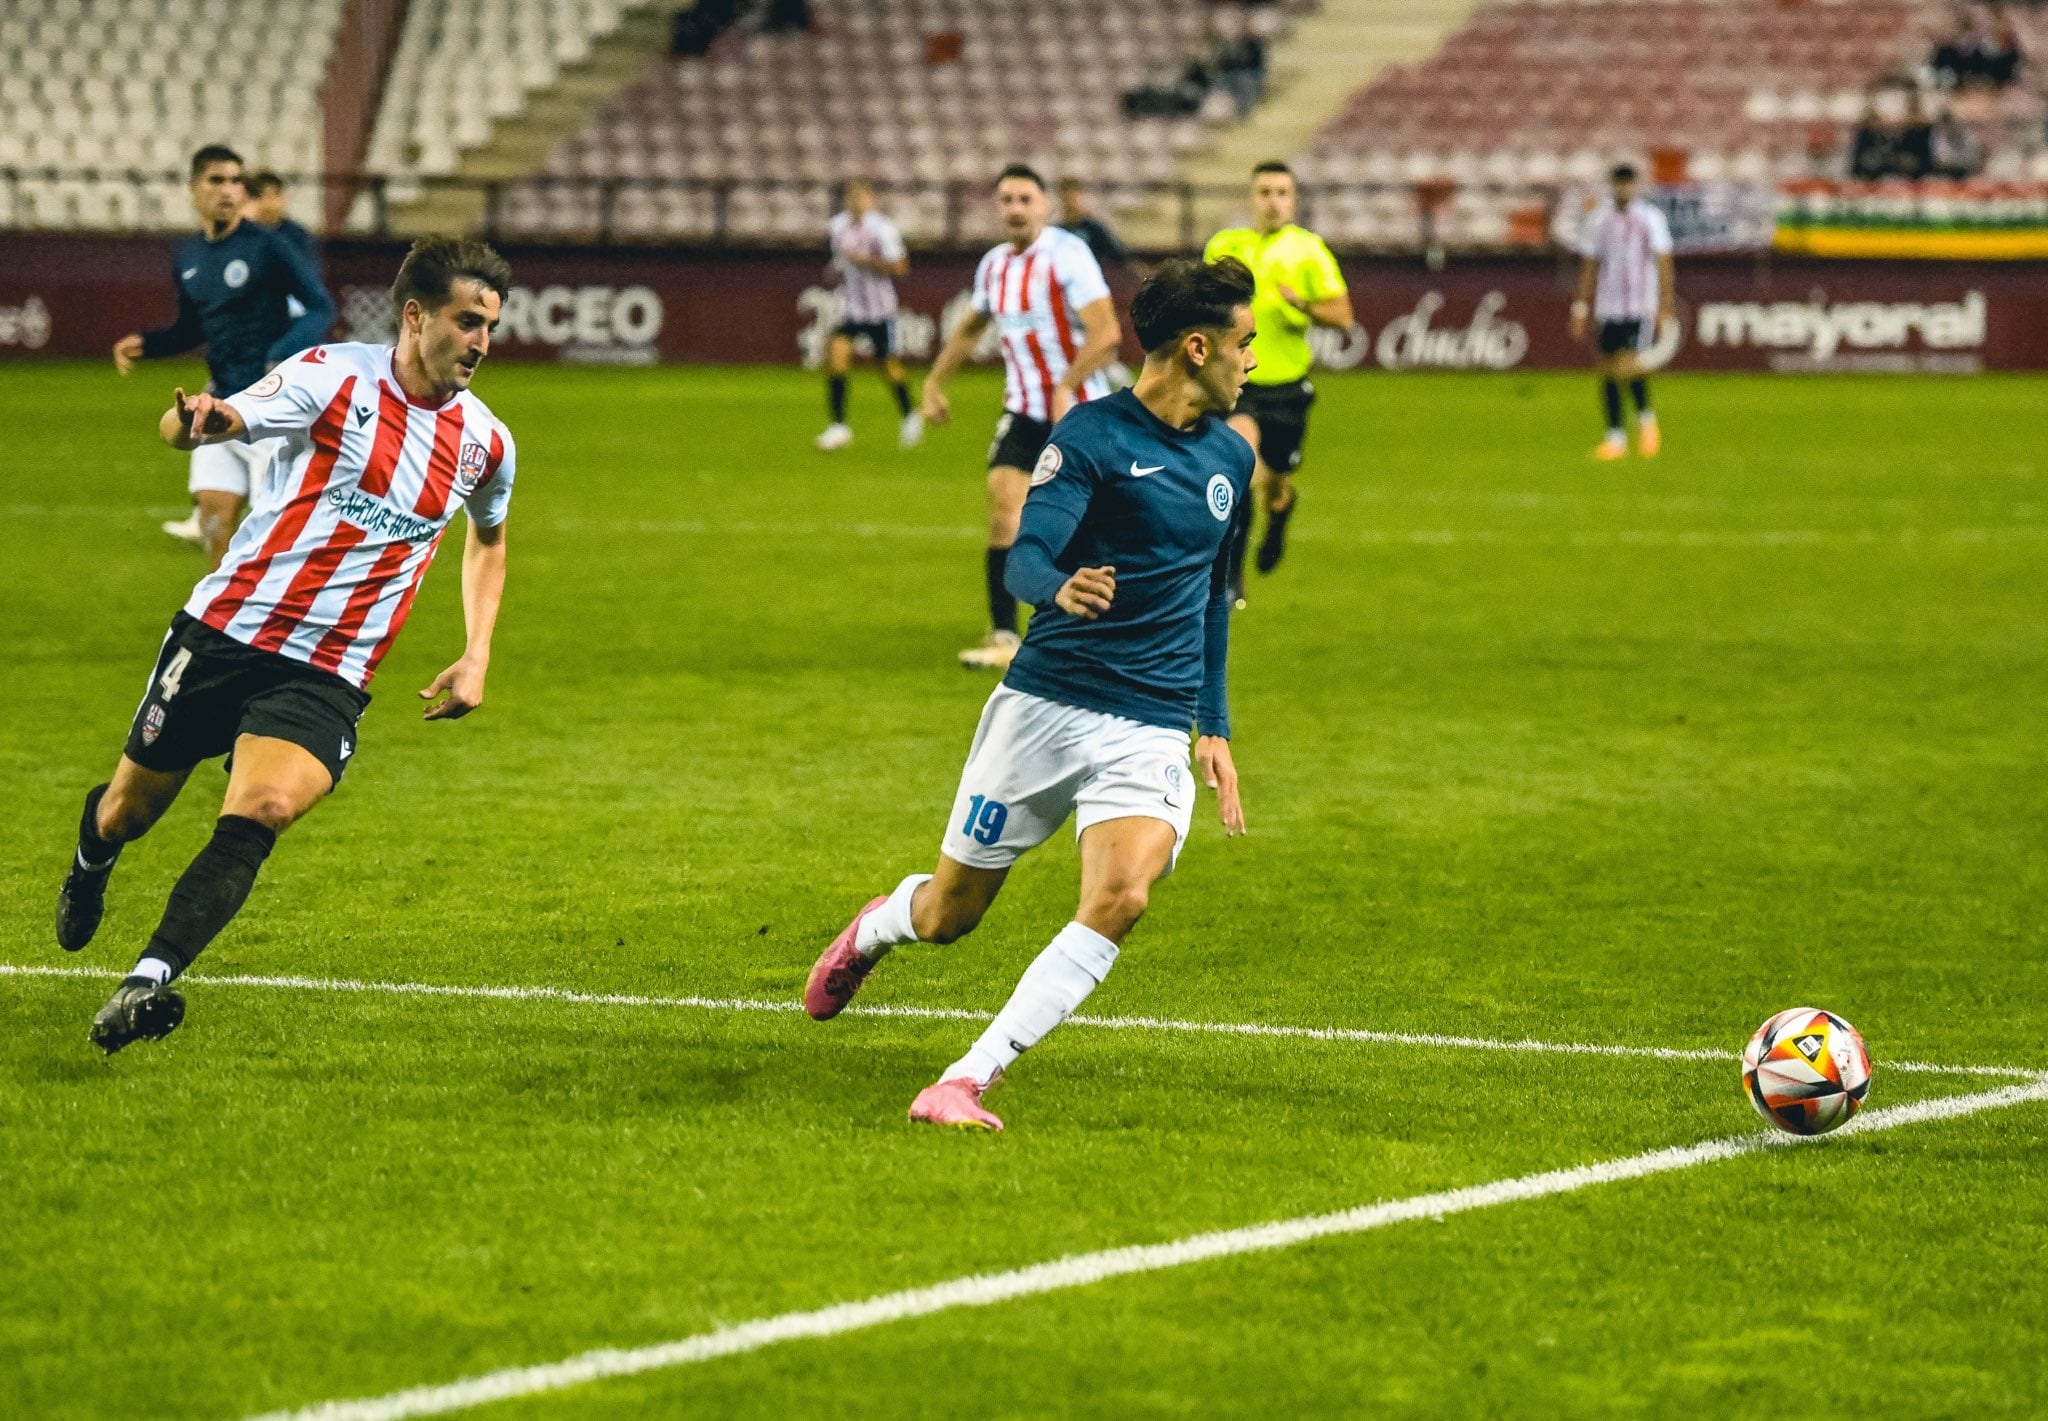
(483, 588)
(1667, 297)
(1100, 335)
(1582, 304)
(1219, 772)
(201, 419)
(952, 355)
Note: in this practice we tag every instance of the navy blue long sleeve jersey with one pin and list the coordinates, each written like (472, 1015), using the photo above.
(1119, 487)
(232, 299)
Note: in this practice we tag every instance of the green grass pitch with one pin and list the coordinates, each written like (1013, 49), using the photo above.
(1532, 748)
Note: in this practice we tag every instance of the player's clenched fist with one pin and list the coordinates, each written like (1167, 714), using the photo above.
(1088, 593)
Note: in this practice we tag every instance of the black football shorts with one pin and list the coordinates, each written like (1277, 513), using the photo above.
(1281, 413)
(1019, 441)
(208, 688)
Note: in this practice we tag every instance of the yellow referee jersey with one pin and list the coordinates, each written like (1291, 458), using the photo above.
(1290, 256)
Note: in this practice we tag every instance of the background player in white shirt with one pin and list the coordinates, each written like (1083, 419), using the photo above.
(1046, 296)
(868, 254)
(268, 661)
(1628, 287)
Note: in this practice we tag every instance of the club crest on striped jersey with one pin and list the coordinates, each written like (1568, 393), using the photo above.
(469, 469)
(1048, 466)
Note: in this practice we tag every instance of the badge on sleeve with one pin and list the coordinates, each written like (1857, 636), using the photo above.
(1222, 498)
(266, 387)
(1048, 466)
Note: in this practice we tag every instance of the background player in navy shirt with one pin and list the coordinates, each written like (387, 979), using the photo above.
(235, 283)
(1124, 550)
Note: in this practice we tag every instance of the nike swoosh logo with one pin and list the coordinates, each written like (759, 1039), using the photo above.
(362, 417)
(1138, 473)
(191, 272)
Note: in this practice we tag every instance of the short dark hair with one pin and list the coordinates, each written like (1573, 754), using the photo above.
(1187, 294)
(1020, 170)
(1623, 173)
(263, 182)
(1271, 165)
(213, 153)
(433, 266)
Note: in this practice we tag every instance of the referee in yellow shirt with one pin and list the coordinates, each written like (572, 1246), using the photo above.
(1299, 286)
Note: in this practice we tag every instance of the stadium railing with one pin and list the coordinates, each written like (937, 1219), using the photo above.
(133, 200)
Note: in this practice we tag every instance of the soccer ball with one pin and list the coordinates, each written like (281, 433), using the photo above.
(1806, 1071)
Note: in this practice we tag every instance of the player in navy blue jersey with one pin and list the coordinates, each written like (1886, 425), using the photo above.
(1124, 551)
(236, 283)
(268, 208)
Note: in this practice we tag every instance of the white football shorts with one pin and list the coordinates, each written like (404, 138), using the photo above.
(1035, 761)
(231, 467)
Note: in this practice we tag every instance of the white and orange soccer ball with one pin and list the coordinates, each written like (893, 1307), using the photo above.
(1806, 1071)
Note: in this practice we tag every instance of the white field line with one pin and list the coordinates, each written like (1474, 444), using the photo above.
(1110, 1023)
(1369, 537)
(1080, 1270)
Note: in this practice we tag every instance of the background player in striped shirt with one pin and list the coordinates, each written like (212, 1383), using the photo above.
(868, 254)
(1046, 296)
(252, 299)
(1300, 286)
(271, 654)
(1629, 288)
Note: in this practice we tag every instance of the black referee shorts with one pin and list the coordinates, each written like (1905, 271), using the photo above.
(1281, 413)
(1019, 441)
(208, 688)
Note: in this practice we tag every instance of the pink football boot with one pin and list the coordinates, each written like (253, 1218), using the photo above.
(956, 1102)
(837, 975)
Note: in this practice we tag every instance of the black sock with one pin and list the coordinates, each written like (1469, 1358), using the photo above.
(1610, 392)
(1639, 388)
(835, 394)
(902, 393)
(95, 854)
(211, 891)
(1002, 607)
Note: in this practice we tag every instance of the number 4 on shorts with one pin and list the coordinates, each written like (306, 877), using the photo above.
(167, 684)
(985, 819)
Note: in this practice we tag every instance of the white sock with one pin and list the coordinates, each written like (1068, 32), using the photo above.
(1646, 419)
(1058, 980)
(889, 925)
(154, 968)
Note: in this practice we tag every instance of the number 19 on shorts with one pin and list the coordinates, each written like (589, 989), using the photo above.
(985, 820)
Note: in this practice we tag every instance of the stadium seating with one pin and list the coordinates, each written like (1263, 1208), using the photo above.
(462, 66)
(873, 88)
(1535, 92)
(92, 90)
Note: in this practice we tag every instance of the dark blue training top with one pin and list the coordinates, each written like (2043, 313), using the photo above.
(298, 236)
(231, 299)
(1119, 487)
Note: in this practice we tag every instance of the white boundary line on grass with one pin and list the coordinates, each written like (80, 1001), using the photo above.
(1110, 1023)
(1080, 1270)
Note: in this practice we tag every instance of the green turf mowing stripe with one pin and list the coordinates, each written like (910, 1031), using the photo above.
(1081, 1270)
(1361, 1035)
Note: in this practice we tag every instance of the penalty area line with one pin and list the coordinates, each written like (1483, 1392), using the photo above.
(1081, 1270)
(1361, 1035)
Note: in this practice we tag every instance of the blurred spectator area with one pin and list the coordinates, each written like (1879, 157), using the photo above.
(907, 92)
(113, 85)
(1528, 95)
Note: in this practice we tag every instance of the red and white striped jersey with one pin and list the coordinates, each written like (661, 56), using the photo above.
(325, 567)
(1035, 297)
(1626, 242)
